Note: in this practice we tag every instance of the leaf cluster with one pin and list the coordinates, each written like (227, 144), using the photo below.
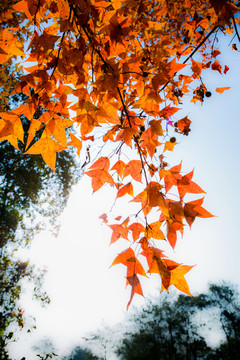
(123, 68)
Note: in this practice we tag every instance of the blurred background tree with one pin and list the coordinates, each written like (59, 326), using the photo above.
(178, 328)
(80, 353)
(31, 198)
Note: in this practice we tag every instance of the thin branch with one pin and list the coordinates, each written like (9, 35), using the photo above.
(140, 154)
(201, 43)
(235, 27)
(124, 106)
(35, 16)
(59, 50)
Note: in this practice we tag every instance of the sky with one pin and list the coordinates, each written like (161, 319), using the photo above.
(85, 293)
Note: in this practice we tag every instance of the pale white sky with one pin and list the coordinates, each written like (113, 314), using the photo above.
(83, 290)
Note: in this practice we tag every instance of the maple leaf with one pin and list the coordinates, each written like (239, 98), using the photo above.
(126, 189)
(104, 218)
(156, 127)
(11, 128)
(183, 125)
(226, 69)
(124, 256)
(103, 163)
(222, 89)
(127, 258)
(23, 6)
(169, 145)
(216, 66)
(48, 148)
(157, 264)
(149, 142)
(136, 287)
(174, 67)
(75, 142)
(99, 173)
(168, 111)
(9, 45)
(177, 277)
(215, 53)
(119, 231)
(119, 166)
(158, 80)
(171, 176)
(134, 168)
(186, 185)
(56, 126)
(172, 228)
(153, 231)
(44, 42)
(151, 197)
(193, 209)
(196, 68)
(127, 135)
(136, 229)
(34, 127)
(99, 178)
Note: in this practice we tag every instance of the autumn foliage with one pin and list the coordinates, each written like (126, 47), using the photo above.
(121, 69)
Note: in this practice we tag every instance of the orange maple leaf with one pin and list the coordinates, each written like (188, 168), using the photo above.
(103, 163)
(127, 135)
(153, 231)
(11, 128)
(172, 228)
(168, 111)
(196, 68)
(136, 287)
(151, 197)
(125, 189)
(194, 209)
(171, 176)
(183, 125)
(99, 178)
(136, 229)
(75, 142)
(119, 231)
(48, 148)
(216, 66)
(119, 166)
(186, 185)
(124, 256)
(169, 145)
(157, 264)
(133, 168)
(177, 277)
(222, 89)
(150, 141)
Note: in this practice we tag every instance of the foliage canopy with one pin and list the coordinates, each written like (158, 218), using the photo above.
(123, 67)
